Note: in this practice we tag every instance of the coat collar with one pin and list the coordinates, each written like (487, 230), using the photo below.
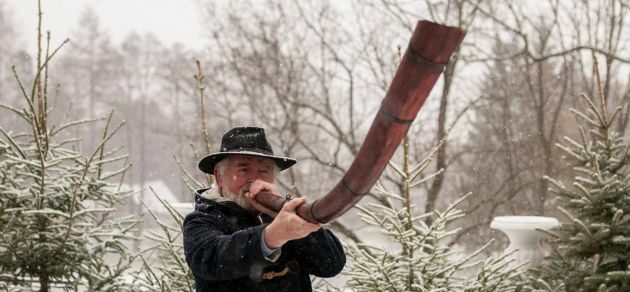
(213, 195)
(207, 199)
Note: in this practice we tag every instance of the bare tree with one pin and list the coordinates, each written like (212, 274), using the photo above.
(316, 80)
(89, 68)
(292, 78)
(179, 95)
(535, 68)
(456, 13)
(10, 54)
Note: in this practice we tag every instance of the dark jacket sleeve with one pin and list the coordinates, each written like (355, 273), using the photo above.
(320, 253)
(214, 256)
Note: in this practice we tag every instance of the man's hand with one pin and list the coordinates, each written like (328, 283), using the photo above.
(257, 187)
(288, 225)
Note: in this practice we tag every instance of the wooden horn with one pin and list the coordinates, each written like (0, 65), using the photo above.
(429, 50)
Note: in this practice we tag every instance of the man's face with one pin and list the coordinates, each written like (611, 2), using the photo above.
(240, 171)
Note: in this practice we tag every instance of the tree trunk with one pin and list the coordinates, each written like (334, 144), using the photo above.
(436, 185)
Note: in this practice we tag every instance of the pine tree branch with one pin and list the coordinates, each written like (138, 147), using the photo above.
(78, 185)
(100, 157)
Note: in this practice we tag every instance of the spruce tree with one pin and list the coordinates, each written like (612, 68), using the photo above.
(57, 223)
(417, 255)
(591, 250)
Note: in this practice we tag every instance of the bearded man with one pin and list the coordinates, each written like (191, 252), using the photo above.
(232, 243)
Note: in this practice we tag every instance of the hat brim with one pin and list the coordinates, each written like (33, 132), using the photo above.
(208, 163)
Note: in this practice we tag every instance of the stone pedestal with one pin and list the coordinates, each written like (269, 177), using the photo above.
(525, 236)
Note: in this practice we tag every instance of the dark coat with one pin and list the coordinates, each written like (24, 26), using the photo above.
(223, 249)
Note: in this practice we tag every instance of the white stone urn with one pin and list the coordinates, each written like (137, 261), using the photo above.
(525, 236)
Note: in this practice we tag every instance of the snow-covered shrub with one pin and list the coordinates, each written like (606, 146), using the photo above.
(424, 261)
(591, 250)
(57, 227)
(417, 256)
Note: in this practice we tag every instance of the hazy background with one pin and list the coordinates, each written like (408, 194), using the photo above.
(313, 74)
(170, 21)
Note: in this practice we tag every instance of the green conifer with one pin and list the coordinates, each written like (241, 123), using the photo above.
(419, 256)
(57, 223)
(591, 250)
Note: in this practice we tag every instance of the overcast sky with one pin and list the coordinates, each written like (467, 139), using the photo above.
(170, 20)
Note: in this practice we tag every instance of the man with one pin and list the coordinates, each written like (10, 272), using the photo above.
(230, 247)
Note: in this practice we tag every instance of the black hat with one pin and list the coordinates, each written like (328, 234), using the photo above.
(244, 141)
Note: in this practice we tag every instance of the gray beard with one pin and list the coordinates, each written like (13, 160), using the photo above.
(240, 200)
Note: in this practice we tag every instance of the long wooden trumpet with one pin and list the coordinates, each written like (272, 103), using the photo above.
(429, 50)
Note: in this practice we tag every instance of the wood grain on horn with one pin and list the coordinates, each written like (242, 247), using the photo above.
(429, 50)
